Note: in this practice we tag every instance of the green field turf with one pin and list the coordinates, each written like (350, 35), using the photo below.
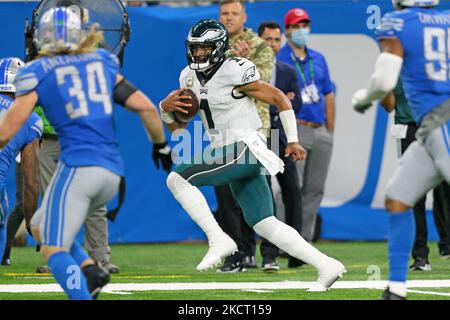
(169, 263)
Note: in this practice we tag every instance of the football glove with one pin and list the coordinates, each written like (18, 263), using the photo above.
(162, 156)
(359, 101)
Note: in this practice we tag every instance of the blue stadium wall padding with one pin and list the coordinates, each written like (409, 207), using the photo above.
(153, 60)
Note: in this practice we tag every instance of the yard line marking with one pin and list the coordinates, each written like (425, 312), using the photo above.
(430, 292)
(284, 285)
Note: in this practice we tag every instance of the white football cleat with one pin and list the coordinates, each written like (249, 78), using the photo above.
(328, 275)
(218, 249)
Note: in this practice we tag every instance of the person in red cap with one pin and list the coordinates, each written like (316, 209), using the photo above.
(315, 121)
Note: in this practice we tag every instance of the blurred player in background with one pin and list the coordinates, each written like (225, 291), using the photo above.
(25, 143)
(76, 84)
(238, 153)
(415, 48)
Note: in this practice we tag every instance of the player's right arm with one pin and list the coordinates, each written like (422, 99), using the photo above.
(267, 93)
(30, 169)
(16, 116)
(388, 65)
(130, 97)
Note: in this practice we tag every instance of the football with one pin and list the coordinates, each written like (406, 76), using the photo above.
(192, 111)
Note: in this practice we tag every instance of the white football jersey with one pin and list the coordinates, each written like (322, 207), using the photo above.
(227, 115)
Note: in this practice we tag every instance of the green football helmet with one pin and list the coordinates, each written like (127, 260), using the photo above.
(206, 44)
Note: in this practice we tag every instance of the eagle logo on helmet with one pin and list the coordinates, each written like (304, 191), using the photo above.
(212, 37)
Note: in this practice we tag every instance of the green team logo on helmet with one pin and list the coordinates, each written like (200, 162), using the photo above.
(206, 44)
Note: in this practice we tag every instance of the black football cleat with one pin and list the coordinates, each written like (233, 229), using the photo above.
(388, 295)
(232, 264)
(97, 278)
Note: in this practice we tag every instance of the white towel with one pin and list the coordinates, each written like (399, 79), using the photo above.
(257, 144)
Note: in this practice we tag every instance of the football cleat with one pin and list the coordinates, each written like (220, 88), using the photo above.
(232, 264)
(96, 278)
(388, 295)
(328, 275)
(218, 249)
(111, 268)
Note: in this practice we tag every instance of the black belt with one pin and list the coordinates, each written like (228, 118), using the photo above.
(112, 214)
(50, 136)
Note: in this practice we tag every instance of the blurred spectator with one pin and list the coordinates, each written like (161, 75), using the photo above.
(315, 120)
(244, 43)
(285, 78)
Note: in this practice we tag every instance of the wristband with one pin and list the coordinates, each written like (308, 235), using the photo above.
(289, 123)
(166, 117)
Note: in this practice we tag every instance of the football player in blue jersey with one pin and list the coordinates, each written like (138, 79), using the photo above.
(415, 47)
(25, 143)
(77, 85)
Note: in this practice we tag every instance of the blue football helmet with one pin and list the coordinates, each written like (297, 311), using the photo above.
(59, 29)
(9, 67)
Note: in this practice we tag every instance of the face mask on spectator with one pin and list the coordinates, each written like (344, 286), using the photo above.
(300, 37)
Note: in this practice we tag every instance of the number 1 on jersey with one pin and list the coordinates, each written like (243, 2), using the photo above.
(204, 105)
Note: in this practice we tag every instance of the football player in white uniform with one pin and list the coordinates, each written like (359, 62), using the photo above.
(226, 89)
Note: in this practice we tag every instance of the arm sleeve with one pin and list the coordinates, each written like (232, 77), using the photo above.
(391, 26)
(27, 80)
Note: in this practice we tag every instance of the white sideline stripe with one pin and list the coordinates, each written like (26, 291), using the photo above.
(430, 292)
(285, 285)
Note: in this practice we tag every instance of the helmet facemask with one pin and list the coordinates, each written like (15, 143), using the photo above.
(206, 45)
(203, 55)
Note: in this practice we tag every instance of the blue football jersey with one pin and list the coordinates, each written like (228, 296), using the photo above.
(75, 92)
(424, 35)
(31, 130)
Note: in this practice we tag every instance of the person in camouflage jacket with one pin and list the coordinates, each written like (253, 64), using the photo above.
(245, 43)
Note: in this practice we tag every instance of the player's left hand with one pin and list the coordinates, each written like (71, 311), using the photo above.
(296, 150)
(359, 101)
(162, 155)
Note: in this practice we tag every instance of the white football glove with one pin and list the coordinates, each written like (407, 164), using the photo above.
(359, 101)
